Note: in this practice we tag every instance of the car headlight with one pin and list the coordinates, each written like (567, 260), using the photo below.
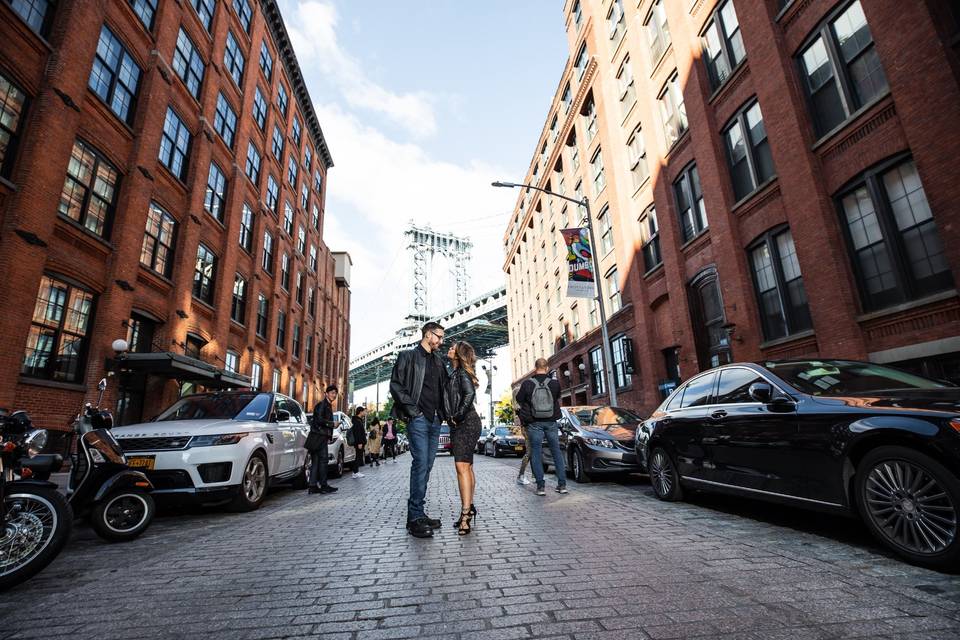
(600, 442)
(35, 442)
(216, 440)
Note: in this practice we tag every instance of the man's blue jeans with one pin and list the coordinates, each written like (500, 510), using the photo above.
(551, 431)
(424, 437)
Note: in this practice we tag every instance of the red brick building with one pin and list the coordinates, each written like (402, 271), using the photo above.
(769, 179)
(162, 181)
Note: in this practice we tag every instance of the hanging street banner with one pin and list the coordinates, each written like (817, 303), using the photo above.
(580, 280)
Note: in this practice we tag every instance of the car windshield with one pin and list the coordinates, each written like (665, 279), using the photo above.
(225, 406)
(846, 377)
(507, 431)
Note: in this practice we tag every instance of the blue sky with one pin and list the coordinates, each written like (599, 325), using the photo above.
(423, 104)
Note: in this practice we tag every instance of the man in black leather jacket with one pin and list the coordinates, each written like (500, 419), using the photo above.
(322, 422)
(416, 384)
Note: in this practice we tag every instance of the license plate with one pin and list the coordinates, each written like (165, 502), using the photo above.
(141, 462)
(518, 448)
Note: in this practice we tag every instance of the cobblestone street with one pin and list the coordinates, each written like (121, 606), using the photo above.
(606, 561)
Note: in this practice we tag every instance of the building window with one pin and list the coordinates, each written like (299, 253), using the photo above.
(779, 285)
(205, 9)
(625, 84)
(296, 130)
(156, 253)
(188, 64)
(204, 274)
(613, 291)
(301, 240)
(637, 153)
(253, 164)
(650, 239)
(244, 12)
(266, 60)
(276, 146)
(145, 10)
(577, 14)
(299, 288)
(596, 168)
(575, 322)
(38, 14)
(693, 213)
(307, 160)
(292, 171)
(304, 194)
(597, 385)
(593, 314)
(841, 69)
(140, 332)
(225, 120)
(581, 61)
(273, 193)
(238, 306)
(748, 151)
(311, 301)
(308, 355)
(281, 330)
(12, 105)
(282, 99)
(57, 343)
(267, 260)
(256, 376)
(285, 272)
(275, 385)
(621, 352)
(317, 181)
(589, 113)
(175, 145)
(233, 59)
(295, 343)
(89, 189)
(616, 22)
(259, 108)
(231, 362)
(567, 98)
(263, 312)
(658, 31)
(673, 112)
(246, 228)
(114, 76)
(606, 231)
(708, 319)
(213, 199)
(288, 218)
(723, 44)
(313, 258)
(896, 249)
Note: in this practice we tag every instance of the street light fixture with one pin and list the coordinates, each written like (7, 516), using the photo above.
(607, 364)
(490, 369)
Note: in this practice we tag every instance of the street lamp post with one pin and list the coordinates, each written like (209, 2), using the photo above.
(380, 361)
(605, 338)
(490, 368)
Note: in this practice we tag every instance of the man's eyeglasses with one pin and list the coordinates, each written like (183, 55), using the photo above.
(438, 336)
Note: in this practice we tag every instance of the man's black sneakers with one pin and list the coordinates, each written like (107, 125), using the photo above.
(420, 528)
(329, 489)
(433, 522)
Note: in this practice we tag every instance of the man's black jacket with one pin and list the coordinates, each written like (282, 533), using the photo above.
(323, 418)
(524, 410)
(406, 383)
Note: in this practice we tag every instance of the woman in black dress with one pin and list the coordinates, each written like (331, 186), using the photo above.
(464, 421)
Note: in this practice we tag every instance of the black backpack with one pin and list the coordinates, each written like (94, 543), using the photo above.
(541, 400)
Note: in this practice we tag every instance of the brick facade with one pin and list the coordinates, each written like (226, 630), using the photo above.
(50, 61)
(907, 124)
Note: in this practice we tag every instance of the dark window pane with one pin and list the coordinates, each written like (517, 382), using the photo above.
(697, 393)
(735, 384)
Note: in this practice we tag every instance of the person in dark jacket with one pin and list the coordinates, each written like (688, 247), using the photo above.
(322, 423)
(464, 421)
(359, 430)
(416, 384)
(539, 412)
(389, 440)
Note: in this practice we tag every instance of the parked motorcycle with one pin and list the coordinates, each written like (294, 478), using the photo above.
(35, 520)
(115, 497)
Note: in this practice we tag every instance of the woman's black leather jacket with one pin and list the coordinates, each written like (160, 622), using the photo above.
(458, 397)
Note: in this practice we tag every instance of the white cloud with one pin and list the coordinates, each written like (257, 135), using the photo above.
(313, 31)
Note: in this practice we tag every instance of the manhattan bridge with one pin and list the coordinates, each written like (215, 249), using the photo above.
(482, 321)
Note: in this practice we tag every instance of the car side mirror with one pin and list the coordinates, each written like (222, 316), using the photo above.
(761, 392)
(282, 415)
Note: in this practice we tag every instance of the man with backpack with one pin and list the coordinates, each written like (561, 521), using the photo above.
(538, 401)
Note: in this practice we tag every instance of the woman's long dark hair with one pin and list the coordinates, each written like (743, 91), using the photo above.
(467, 360)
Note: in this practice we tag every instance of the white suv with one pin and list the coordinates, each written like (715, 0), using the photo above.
(213, 447)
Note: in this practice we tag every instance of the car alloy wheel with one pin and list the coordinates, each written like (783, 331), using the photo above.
(909, 507)
(255, 479)
(663, 476)
(576, 463)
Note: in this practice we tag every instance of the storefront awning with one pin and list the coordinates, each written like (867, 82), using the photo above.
(179, 367)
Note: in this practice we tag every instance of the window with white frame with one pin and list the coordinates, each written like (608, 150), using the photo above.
(596, 170)
(658, 31)
(625, 84)
(673, 112)
(613, 291)
(690, 206)
(637, 158)
(606, 230)
(723, 44)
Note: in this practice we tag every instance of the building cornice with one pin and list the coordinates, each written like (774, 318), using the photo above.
(278, 31)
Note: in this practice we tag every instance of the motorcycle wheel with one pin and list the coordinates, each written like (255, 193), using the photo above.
(37, 528)
(123, 515)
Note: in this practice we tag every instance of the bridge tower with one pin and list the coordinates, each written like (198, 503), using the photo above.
(424, 245)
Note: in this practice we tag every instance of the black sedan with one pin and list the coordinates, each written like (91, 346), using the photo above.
(597, 440)
(506, 440)
(837, 435)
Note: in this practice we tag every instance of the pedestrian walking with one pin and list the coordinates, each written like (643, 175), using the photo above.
(389, 440)
(522, 478)
(416, 385)
(321, 431)
(538, 401)
(374, 442)
(359, 432)
(458, 397)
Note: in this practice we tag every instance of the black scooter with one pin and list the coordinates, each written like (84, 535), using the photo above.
(115, 497)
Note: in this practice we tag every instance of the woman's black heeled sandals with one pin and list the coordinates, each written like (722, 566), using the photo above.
(463, 523)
